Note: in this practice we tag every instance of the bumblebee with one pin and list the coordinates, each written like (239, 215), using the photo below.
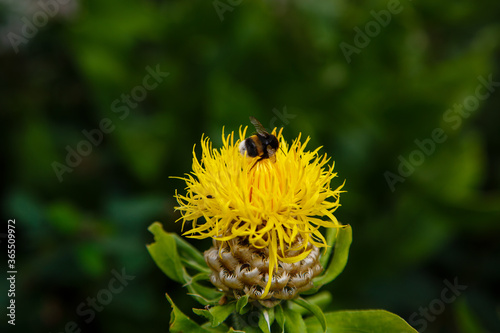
(262, 144)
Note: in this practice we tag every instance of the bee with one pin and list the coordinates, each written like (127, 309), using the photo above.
(262, 144)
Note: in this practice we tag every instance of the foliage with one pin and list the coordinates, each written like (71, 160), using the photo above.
(279, 61)
(167, 252)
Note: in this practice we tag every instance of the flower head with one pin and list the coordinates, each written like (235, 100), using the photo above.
(274, 205)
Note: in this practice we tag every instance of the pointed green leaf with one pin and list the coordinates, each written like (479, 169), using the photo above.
(373, 321)
(203, 312)
(179, 322)
(266, 319)
(221, 312)
(339, 259)
(280, 317)
(294, 323)
(194, 265)
(331, 235)
(164, 253)
(204, 295)
(201, 277)
(189, 251)
(232, 330)
(241, 303)
(321, 299)
(314, 309)
(217, 314)
(223, 328)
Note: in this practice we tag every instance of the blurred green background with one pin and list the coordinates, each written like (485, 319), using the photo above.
(282, 62)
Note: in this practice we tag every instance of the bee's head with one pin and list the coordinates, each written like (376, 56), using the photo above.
(273, 142)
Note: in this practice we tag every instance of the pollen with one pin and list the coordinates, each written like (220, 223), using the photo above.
(265, 216)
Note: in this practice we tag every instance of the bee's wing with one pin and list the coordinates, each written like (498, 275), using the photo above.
(258, 126)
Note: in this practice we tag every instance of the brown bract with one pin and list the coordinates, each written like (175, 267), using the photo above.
(240, 269)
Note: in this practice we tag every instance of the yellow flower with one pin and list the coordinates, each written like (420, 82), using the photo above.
(275, 205)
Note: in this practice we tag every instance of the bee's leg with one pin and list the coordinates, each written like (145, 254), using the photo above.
(271, 154)
(257, 161)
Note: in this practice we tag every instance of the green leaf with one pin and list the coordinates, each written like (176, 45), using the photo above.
(314, 309)
(339, 259)
(223, 328)
(241, 303)
(204, 295)
(194, 265)
(266, 319)
(179, 322)
(321, 299)
(373, 321)
(294, 323)
(280, 317)
(221, 312)
(187, 250)
(201, 277)
(217, 314)
(189, 256)
(331, 235)
(164, 253)
(203, 312)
